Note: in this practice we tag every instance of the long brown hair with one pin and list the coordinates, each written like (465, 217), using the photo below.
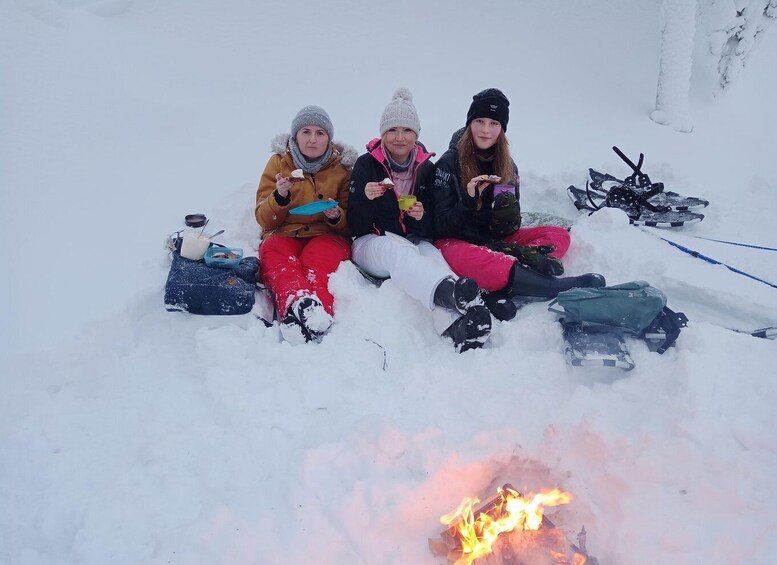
(468, 161)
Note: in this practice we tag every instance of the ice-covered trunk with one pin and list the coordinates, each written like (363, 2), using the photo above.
(674, 75)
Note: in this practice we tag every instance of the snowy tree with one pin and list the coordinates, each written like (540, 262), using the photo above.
(678, 19)
(733, 29)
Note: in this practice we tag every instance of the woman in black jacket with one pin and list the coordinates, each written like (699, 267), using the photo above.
(477, 212)
(389, 214)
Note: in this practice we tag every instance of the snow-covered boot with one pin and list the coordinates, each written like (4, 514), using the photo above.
(292, 331)
(311, 317)
(459, 295)
(470, 331)
(500, 305)
(524, 281)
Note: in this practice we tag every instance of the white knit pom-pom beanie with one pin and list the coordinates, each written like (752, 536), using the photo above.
(400, 113)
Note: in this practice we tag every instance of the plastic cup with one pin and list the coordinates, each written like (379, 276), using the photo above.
(406, 201)
(194, 246)
(502, 188)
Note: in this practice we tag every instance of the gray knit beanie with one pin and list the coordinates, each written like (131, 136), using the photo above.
(400, 113)
(312, 116)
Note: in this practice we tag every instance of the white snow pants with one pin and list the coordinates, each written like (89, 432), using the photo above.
(416, 268)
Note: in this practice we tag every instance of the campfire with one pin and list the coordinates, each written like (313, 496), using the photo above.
(510, 528)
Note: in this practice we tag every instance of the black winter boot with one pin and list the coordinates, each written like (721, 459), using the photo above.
(458, 296)
(470, 331)
(527, 282)
(500, 305)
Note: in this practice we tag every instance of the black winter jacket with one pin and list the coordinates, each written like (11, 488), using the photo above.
(457, 214)
(382, 214)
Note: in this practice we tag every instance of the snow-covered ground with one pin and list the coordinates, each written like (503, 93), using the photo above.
(132, 435)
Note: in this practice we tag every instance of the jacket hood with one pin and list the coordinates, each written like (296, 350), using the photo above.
(348, 154)
(456, 137)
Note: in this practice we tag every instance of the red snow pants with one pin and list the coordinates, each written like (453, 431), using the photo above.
(491, 269)
(292, 267)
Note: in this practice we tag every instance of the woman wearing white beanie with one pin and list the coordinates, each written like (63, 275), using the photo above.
(389, 214)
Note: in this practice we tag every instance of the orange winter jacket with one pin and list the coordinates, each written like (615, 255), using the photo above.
(329, 182)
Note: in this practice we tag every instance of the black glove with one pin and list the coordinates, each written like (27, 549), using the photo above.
(534, 257)
(505, 215)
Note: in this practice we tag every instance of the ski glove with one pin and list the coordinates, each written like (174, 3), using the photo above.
(536, 258)
(505, 215)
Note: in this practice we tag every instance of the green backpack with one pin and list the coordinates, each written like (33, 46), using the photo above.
(631, 306)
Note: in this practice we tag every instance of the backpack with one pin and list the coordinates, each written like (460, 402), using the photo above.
(631, 306)
(634, 307)
(194, 287)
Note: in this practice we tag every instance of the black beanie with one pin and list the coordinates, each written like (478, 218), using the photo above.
(492, 104)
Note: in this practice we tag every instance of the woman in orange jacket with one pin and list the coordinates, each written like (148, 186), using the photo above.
(299, 251)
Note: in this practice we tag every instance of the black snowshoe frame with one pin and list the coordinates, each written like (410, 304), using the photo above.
(638, 178)
(625, 198)
(633, 194)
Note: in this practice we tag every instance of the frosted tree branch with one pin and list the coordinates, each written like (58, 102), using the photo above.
(734, 28)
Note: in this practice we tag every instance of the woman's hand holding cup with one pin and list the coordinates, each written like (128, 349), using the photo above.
(416, 211)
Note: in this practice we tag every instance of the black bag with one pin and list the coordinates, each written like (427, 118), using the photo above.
(194, 287)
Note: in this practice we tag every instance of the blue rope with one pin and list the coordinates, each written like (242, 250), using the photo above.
(703, 257)
(735, 243)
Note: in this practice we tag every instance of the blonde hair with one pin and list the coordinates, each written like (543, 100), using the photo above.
(468, 161)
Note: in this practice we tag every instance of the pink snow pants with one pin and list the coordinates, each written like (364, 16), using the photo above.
(491, 269)
(292, 267)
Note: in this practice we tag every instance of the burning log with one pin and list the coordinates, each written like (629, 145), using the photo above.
(475, 533)
(580, 548)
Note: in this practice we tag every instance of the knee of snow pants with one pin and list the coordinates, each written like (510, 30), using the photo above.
(293, 267)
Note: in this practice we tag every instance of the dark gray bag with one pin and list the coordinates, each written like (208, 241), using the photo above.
(634, 307)
(194, 287)
(631, 306)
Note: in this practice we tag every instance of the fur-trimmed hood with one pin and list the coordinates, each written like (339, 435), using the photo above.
(348, 155)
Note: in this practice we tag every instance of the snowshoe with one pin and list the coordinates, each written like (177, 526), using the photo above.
(662, 332)
(604, 182)
(763, 333)
(637, 208)
(595, 346)
(641, 184)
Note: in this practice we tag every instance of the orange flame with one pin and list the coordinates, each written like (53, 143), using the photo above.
(510, 510)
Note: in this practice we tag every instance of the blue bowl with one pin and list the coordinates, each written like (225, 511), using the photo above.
(223, 257)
